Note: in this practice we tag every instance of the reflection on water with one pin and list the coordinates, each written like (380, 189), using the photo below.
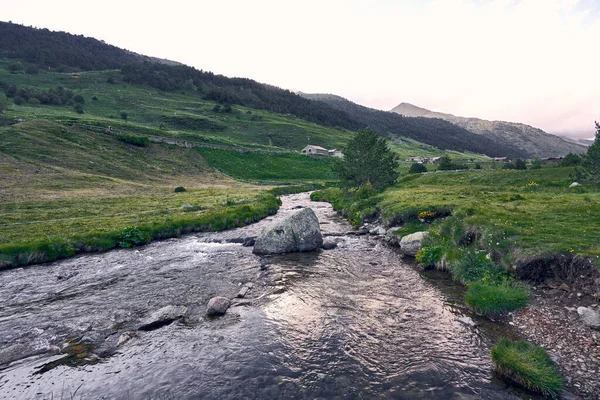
(353, 322)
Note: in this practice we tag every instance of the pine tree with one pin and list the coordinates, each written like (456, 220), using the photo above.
(367, 158)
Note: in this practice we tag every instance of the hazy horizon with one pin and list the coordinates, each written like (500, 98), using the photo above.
(528, 61)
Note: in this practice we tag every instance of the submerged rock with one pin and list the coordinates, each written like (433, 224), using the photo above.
(162, 317)
(467, 321)
(217, 306)
(329, 244)
(12, 353)
(589, 317)
(126, 337)
(299, 232)
(411, 244)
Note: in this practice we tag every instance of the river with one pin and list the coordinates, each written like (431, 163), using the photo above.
(355, 322)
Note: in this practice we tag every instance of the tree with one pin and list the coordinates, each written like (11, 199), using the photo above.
(590, 171)
(367, 158)
(571, 160)
(124, 115)
(446, 163)
(417, 168)
(520, 164)
(4, 103)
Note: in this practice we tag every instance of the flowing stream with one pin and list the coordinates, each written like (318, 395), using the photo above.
(355, 322)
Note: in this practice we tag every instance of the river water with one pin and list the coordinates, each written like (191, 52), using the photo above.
(355, 322)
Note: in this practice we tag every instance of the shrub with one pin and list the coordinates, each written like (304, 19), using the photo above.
(527, 365)
(18, 100)
(417, 168)
(140, 141)
(477, 166)
(430, 255)
(34, 101)
(492, 298)
(179, 189)
(124, 115)
(78, 108)
(132, 236)
(471, 267)
(32, 70)
(94, 98)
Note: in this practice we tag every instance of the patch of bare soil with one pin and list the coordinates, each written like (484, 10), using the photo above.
(560, 284)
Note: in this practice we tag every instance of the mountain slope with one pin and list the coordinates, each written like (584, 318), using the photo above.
(48, 49)
(535, 142)
(436, 132)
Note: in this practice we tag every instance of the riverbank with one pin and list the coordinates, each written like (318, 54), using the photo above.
(354, 321)
(481, 220)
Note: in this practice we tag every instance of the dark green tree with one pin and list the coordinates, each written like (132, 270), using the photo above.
(571, 160)
(4, 103)
(367, 158)
(590, 167)
(446, 163)
(520, 164)
(417, 168)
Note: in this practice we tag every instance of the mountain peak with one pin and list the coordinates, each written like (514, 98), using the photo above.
(410, 110)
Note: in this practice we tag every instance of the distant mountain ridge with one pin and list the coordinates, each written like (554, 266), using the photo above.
(533, 141)
(433, 131)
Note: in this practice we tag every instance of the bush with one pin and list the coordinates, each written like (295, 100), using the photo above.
(18, 100)
(430, 255)
(477, 166)
(179, 189)
(492, 298)
(140, 141)
(78, 108)
(32, 70)
(527, 365)
(471, 267)
(132, 236)
(417, 168)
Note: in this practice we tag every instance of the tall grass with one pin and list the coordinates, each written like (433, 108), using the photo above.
(527, 365)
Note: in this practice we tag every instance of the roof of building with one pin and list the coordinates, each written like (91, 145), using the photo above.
(310, 146)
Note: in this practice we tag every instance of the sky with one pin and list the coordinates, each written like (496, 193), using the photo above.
(530, 61)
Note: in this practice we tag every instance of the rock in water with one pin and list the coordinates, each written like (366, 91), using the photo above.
(329, 244)
(589, 317)
(217, 306)
(411, 244)
(12, 353)
(162, 317)
(298, 232)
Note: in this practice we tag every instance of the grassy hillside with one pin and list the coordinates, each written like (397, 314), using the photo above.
(272, 167)
(180, 115)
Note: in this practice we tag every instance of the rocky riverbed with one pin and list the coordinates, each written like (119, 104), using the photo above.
(355, 321)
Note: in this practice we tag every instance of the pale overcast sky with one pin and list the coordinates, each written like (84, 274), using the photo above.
(530, 61)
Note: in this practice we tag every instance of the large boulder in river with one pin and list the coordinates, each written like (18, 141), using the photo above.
(298, 232)
(411, 244)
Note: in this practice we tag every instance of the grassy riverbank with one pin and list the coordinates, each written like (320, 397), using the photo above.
(483, 222)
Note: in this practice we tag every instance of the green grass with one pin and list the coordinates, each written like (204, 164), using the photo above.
(67, 244)
(492, 298)
(271, 167)
(527, 365)
(535, 208)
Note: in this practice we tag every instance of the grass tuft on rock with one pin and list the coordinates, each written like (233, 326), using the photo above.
(527, 365)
